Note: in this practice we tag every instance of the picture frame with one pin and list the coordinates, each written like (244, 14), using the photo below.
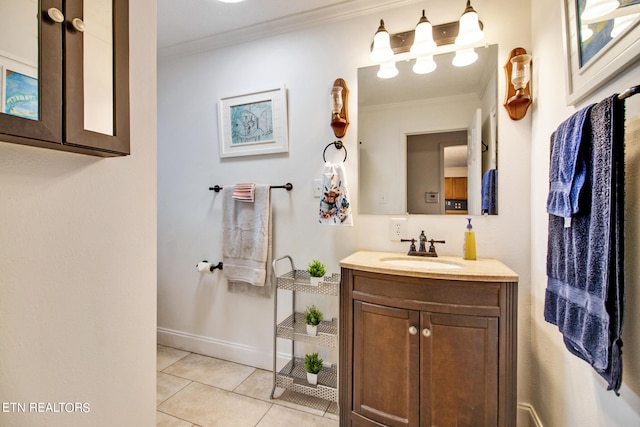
(610, 58)
(253, 124)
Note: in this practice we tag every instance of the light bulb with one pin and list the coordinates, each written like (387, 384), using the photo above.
(465, 57)
(423, 43)
(469, 27)
(424, 65)
(381, 51)
(387, 70)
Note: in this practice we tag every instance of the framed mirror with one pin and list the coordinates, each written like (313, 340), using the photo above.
(407, 126)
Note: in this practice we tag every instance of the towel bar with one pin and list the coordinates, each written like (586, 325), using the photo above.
(629, 92)
(288, 186)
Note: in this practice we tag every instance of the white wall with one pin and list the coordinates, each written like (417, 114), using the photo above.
(198, 312)
(78, 268)
(567, 392)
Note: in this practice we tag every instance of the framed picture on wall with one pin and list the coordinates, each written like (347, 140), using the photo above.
(253, 124)
(598, 48)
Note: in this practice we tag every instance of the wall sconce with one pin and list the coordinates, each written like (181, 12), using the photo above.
(339, 108)
(518, 74)
(422, 42)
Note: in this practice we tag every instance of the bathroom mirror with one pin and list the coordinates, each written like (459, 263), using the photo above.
(406, 125)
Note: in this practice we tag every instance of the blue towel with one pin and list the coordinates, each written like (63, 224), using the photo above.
(567, 169)
(490, 192)
(585, 287)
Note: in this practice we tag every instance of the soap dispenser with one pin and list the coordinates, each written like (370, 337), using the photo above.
(469, 246)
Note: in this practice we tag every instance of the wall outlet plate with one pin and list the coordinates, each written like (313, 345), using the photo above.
(397, 229)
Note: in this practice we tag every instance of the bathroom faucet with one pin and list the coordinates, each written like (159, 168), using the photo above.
(422, 251)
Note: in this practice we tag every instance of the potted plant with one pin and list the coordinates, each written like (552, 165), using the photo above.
(312, 317)
(316, 271)
(312, 364)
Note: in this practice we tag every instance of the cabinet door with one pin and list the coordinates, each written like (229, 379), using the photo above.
(385, 364)
(458, 370)
(31, 67)
(97, 76)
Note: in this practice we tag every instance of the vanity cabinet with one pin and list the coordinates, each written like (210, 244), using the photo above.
(81, 70)
(420, 351)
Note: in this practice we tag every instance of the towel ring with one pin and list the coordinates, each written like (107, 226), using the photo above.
(339, 146)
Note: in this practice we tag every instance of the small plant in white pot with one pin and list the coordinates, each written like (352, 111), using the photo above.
(313, 365)
(312, 317)
(316, 271)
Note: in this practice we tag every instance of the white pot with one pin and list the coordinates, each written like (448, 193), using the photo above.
(312, 330)
(315, 281)
(312, 378)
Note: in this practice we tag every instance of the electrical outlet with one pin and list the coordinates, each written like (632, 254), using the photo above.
(397, 229)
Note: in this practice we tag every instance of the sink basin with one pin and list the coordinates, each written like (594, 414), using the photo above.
(422, 263)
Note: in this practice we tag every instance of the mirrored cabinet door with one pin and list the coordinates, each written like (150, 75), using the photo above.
(31, 72)
(64, 68)
(97, 75)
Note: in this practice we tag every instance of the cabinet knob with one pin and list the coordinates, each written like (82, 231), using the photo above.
(426, 332)
(413, 330)
(55, 15)
(78, 24)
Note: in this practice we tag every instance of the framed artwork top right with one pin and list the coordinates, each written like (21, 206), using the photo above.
(600, 46)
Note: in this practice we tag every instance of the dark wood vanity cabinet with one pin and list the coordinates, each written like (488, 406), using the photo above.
(61, 72)
(426, 352)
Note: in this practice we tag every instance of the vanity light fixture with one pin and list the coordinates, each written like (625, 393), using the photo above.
(597, 8)
(421, 43)
(339, 108)
(518, 74)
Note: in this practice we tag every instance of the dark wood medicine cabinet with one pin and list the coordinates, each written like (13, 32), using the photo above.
(67, 45)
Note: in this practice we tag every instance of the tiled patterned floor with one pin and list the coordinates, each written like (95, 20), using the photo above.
(200, 391)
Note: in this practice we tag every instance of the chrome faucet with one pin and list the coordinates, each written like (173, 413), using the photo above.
(422, 251)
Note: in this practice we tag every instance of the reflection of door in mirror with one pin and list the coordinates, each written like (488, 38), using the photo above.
(434, 162)
(19, 58)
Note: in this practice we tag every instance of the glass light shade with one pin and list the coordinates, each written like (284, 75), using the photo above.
(520, 71)
(336, 100)
(465, 57)
(469, 27)
(424, 65)
(423, 43)
(620, 24)
(387, 70)
(597, 8)
(381, 51)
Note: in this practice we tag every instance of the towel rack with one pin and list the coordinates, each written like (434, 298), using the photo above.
(629, 92)
(288, 186)
(339, 146)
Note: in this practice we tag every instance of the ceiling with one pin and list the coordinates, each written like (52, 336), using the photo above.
(191, 25)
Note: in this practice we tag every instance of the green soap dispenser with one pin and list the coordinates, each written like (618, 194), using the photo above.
(469, 246)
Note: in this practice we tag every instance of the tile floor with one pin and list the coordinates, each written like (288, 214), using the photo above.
(200, 391)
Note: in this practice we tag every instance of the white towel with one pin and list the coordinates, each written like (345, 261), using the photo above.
(335, 206)
(246, 237)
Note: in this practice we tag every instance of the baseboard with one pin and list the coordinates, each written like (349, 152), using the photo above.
(527, 416)
(226, 350)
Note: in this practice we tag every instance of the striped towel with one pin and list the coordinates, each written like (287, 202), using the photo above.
(244, 192)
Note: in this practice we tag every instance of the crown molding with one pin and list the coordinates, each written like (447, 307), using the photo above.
(325, 15)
